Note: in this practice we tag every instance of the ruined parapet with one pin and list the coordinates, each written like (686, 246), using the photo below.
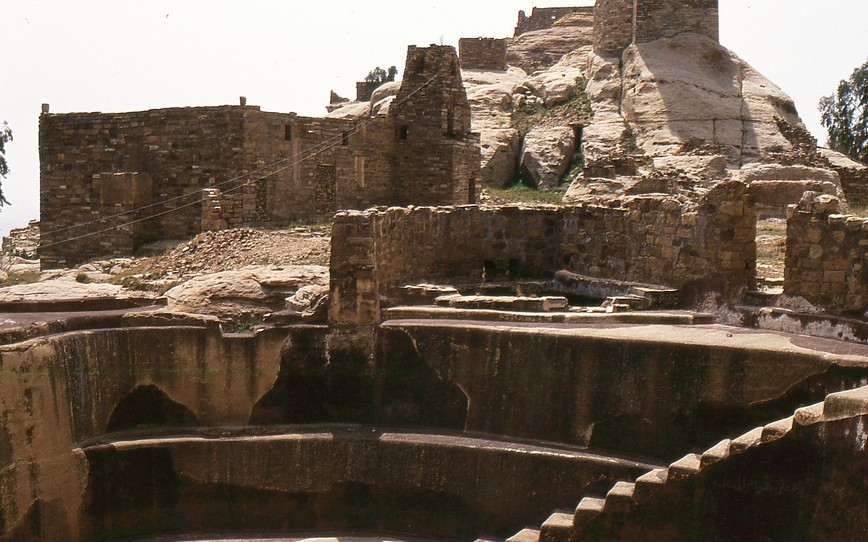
(544, 18)
(482, 54)
(655, 19)
(698, 248)
(826, 255)
(613, 27)
(212, 210)
(23, 242)
(437, 158)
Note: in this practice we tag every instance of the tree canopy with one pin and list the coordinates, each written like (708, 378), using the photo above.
(5, 137)
(378, 75)
(845, 115)
(374, 79)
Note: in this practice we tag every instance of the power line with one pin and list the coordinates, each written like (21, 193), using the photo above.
(327, 145)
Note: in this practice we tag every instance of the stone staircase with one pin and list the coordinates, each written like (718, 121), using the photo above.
(624, 497)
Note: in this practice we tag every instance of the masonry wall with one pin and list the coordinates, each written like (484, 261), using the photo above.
(181, 149)
(437, 158)
(655, 19)
(659, 240)
(543, 18)
(827, 255)
(613, 26)
(854, 183)
(482, 54)
(328, 164)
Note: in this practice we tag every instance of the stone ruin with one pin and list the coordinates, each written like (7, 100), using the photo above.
(459, 385)
(111, 182)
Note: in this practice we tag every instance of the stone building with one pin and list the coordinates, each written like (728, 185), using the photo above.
(113, 181)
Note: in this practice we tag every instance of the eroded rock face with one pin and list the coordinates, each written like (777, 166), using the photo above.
(490, 94)
(689, 88)
(541, 49)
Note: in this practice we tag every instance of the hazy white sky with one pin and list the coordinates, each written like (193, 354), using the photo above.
(120, 55)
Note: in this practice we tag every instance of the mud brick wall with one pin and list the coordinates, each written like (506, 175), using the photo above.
(826, 260)
(436, 155)
(543, 18)
(613, 26)
(655, 19)
(482, 54)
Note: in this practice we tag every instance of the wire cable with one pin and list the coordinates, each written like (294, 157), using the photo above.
(327, 145)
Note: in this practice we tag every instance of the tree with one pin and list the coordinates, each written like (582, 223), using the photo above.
(374, 79)
(5, 136)
(845, 115)
(378, 75)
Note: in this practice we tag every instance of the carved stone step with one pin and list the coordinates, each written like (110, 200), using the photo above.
(777, 430)
(749, 439)
(557, 528)
(649, 484)
(620, 497)
(716, 453)
(685, 467)
(588, 509)
(525, 535)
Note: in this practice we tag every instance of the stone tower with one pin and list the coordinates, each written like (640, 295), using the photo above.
(620, 23)
(437, 159)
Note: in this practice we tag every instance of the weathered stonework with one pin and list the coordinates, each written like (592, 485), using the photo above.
(648, 239)
(110, 182)
(613, 27)
(482, 54)
(436, 157)
(827, 255)
(544, 18)
(655, 19)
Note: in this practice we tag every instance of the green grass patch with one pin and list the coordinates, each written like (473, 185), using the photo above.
(519, 193)
(576, 110)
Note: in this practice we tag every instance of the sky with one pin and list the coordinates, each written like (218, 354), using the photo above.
(124, 55)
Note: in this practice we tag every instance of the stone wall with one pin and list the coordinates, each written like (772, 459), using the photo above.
(854, 183)
(648, 391)
(61, 390)
(111, 182)
(827, 255)
(482, 54)
(655, 19)
(649, 239)
(437, 158)
(181, 149)
(544, 18)
(613, 27)
(23, 242)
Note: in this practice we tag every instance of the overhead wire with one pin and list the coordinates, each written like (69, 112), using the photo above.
(326, 145)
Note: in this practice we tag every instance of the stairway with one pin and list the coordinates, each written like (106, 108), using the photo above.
(624, 497)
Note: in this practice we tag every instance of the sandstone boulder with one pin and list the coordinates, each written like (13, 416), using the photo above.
(546, 154)
(558, 84)
(254, 290)
(62, 290)
(350, 110)
(490, 96)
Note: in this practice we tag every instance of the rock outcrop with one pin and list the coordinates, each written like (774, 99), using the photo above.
(248, 292)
